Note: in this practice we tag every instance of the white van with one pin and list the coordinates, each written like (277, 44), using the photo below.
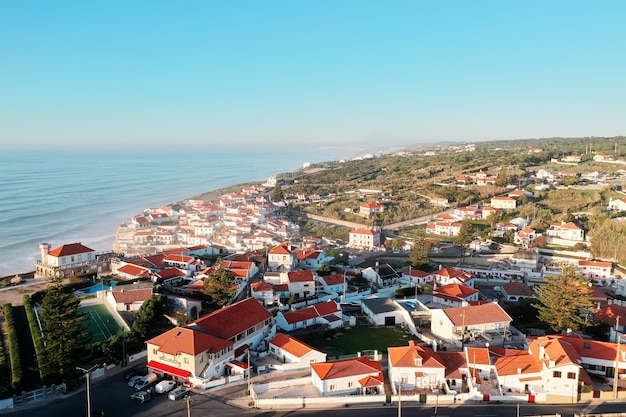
(146, 382)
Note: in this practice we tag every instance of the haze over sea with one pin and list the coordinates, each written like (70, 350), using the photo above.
(61, 197)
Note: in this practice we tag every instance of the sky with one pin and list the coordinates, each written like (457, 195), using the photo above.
(336, 73)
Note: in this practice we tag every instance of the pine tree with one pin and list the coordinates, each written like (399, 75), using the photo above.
(419, 252)
(220, 286)
(65, 337)
(562, 301)
(465, 236)
(277, 193)
(151, 309)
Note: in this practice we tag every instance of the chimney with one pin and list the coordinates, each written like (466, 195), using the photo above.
(542, 352)
(519, 370)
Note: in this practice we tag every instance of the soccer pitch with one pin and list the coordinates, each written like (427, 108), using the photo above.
(100, 324)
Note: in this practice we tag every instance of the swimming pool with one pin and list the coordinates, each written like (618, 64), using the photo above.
(98, 287)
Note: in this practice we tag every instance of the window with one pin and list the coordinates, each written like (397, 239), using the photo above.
(154, 352)
(349, 384)
(332, 387)
(186, 360)
(71, 259)
(571, 375)
(80, 258)
(201, 358)
(556, 374)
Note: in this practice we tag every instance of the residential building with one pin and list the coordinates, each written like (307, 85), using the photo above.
(127, 299)
(371, 209)
(504, 203)
(282, 257)
(596, 269)
(365, 239)
(358, 376)
(566, 231)
(461, 323)
(414, 367)
(288, 349)
(327, 314)
(515, 291)
(455, 295)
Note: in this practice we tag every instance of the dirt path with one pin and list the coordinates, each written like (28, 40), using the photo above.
(15, 295)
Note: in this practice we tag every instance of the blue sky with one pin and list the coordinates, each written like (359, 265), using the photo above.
(334, 73)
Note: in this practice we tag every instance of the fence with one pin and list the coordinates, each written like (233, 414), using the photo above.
(30, 396)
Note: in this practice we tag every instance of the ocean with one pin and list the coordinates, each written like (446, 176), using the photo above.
(61, 197)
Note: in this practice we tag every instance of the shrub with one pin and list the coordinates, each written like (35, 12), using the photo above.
(14, 348)
(35, 333)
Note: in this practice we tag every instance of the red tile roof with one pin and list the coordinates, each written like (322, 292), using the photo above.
(182, 339)
(334, 279)
(453, 361)
(523, 364)
(456, 290)
(129, 296)
(347, 367)
(291, 345)
(229, 321)
(135, 270)
(300, 276)
(317, 310)
(70, 249)
(405, 356)
(474, 315)
(517, 288)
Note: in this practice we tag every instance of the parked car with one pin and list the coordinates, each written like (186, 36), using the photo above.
(146, 382)
(133, 380)
(164, 386)
(142, 396)
(178, 394)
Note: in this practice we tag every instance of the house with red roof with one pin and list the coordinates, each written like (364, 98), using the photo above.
(465, 323)
(566, 231)
(417, 277)
(443, 228)
(371, 208)
(128, 299)
(69, 259)
(596, 269)
(289, 350)
(208, 347)
(263, 293)
(446, 276)
(454, 295)
(282, 257)
(366, 239)
(300, 284)
(515, 291)
(525, 237)
(333, 283)
(327, 314)
(357, 376)
(418, 368)
(131, 271)
(309, 258)
(186, 354)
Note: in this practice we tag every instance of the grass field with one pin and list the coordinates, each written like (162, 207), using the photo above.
(359, 338)
(100, 324)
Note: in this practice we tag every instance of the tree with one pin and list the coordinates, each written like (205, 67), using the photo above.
(65, 338)
(562, 301)
(220, 285)
(151, 309)
(419, 252)
(277, 193)
(465, 235)
(325, 269)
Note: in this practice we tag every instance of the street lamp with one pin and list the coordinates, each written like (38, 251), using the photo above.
(87, 372)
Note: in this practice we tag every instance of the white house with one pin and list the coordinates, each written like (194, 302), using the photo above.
(74, 257)
(504, 203)
(619, 204)
(384, 311)
(348, 376)
(446, 276)
(443, 228)
(263, 292)
(596, 269)
(288, 349)
(364, 239)
(459, 323)
(327, 314)
(417, 277)
(414, 367)
(282, 257)
(128, 299)
(566, 231)
(333, 283)
(455, 295)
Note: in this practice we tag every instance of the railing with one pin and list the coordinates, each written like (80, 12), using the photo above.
(38, 394)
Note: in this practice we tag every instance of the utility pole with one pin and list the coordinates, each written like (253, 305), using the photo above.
(616, 373)
(400, 398)
(249, 390)
(188, 406)
(87, 372)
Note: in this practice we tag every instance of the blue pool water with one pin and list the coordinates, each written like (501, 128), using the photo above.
(96, 288)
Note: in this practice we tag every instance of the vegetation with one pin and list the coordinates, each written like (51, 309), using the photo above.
(36, 335)
(562, 302)
(220, 285)
(5, 372)
(14, 348)
(64, 336)
(419, 251)
(150, 311)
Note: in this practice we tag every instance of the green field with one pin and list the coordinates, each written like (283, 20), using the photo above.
(100, 323)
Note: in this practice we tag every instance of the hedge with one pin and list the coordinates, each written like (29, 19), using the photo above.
(35, 333)
(5, 374)
(14, 348)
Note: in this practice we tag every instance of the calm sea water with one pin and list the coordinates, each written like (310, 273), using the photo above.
(66, 197)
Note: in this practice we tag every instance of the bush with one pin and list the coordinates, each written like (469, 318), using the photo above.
(35, 333)
(14, 349)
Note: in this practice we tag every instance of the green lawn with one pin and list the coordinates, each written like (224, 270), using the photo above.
(100, 324)
(356, 339)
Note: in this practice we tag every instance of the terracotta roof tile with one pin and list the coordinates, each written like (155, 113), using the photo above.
(70, 249)
(181, 339)
(231, 320)
(292, 345)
